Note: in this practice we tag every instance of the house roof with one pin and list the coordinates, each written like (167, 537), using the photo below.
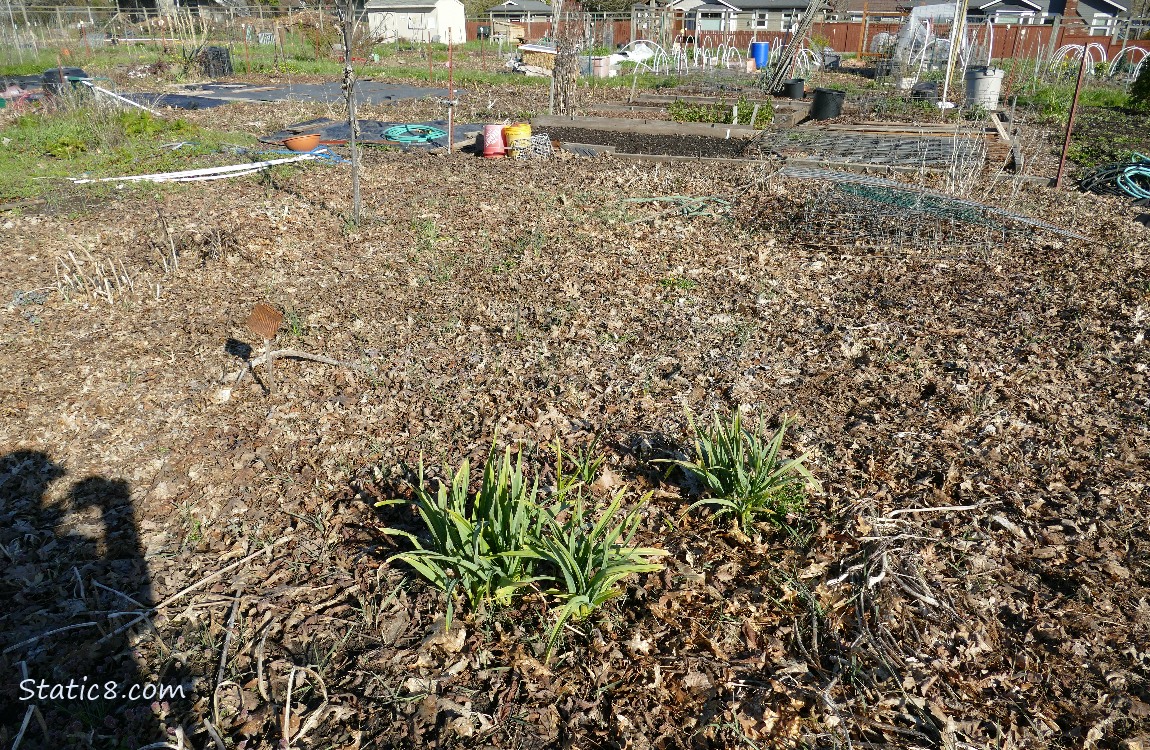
(1103, 6)
(771, 4)
(520, 6)
(1012, 6)
(392, 5)
(902, 7)
(712, 5)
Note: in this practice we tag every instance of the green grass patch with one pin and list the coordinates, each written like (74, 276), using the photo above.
(1052, 100)
(97, 141)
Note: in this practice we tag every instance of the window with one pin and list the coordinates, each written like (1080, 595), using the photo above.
(761, 17)
(1102, 23)
(711, 21)
(1013, 17)
(791, 19)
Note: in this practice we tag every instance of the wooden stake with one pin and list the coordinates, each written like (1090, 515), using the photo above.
(1070, 119)
(269, 359)
(450, 97)
(346, 13)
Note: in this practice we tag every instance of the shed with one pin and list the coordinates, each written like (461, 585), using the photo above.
(443, 21)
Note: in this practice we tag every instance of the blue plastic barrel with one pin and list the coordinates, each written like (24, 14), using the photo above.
(761, 51)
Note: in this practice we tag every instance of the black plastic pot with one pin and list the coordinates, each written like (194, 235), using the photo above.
(827, 104)
(794, 88)
(925, 91)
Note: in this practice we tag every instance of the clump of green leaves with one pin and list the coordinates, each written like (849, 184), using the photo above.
(739, 114)
(744, 109)
(490, 546)
(65, 147)
(476, 544)
(586, 463)
(587, 557)
(742, 474)
(138, 122)
(682, 111)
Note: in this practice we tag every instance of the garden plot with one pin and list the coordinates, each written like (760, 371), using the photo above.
(972, 571)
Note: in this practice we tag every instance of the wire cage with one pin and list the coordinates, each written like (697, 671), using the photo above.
(875, 217)
(954, 152)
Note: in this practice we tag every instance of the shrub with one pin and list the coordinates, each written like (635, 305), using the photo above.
(1140, 91)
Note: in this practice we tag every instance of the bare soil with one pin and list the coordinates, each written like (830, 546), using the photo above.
(641, 143)
(976, 572)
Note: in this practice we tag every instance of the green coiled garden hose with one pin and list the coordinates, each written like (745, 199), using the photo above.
(1131, 178)
(413, 134)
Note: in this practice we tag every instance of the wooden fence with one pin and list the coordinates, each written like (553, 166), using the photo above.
(1014, 41)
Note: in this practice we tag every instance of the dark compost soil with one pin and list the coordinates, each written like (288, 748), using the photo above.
(638, 143)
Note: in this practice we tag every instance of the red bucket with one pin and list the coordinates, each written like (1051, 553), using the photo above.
(493, 142)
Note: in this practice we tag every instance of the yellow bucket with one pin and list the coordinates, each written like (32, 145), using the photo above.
(517, 137)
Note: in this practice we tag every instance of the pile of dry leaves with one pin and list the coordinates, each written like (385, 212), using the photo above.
(974, 574)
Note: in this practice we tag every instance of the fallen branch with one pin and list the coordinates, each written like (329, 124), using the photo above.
(188, 589)
(937, 509)
(225, 393)
(23, 728)
(227, 641)
(312, 720)
(297, 354)
(216, 697)
(64, 629)
(215, 735)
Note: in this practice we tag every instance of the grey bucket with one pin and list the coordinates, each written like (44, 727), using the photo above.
(984, 86)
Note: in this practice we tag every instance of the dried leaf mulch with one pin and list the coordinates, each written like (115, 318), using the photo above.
(974, 573)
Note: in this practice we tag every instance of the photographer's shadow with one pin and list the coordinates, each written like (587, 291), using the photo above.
(74, 573)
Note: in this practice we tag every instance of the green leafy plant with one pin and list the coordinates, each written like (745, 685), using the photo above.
(1140, 91)
(426, 232)
(490, 546)
(739, 114)
(589, 557)
(586, 464)
(294, 326)
(678, 283)
(137, 122)
(476, 545)
(66, 147)
(746, 110)
(743, 475)
(682, 111)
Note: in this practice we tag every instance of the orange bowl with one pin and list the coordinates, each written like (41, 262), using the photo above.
(302, 142)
